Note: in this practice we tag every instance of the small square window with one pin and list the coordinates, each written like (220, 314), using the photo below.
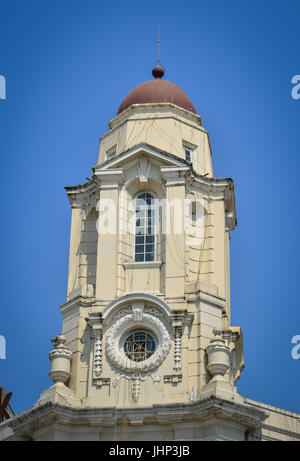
(187, 151)
(112, 151)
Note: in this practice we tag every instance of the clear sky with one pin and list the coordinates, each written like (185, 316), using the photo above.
(68, 64)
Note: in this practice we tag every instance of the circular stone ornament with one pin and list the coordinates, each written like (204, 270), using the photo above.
(121, 330)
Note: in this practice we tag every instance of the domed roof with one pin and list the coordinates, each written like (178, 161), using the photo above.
(155, 91)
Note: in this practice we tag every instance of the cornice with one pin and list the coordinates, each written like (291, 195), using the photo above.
(124, 116)
(174, 175)
(212, 406)
(78, 301)
(201, 295)
(85, 187)
(110, 171)
(78, 194)
(109, 177)
(218, 186)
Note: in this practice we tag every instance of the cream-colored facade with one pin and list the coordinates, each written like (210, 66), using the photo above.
(178, 298)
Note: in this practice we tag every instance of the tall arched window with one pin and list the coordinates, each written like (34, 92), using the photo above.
(145, 227)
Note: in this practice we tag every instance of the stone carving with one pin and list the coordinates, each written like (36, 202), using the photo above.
(174, 379)
(94, 321)
(143, 169)
(177, 349)
(135, 389)
(60, 358)
(122, 312)
(98, 355)
(114, 348)
(137, 312)
(136, 379)
(218, 356)
(153, 311)
(128, 310)
(103, 382)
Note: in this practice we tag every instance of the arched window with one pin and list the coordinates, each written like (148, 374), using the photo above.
(145, 227)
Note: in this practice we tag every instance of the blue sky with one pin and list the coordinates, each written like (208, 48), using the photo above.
(68, 64)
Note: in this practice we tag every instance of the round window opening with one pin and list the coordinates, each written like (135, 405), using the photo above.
(139, 346)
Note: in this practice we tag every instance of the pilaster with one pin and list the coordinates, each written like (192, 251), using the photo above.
(173, 226)
(107, 254)
(74, 245)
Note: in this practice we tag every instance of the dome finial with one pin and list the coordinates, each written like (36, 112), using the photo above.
(158, 71)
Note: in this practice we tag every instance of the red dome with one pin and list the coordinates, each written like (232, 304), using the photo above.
(157, 90)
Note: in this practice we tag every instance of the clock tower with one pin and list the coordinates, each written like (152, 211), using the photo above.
(147, 350)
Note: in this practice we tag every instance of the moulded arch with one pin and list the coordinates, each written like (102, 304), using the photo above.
(136, 297)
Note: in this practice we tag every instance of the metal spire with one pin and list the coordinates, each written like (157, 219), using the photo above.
(158, 41)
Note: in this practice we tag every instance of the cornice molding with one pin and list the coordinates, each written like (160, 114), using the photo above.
(77, 302)
(214, 300)
(160, 107)
(81, 194)
(212, 406)
(109, 178)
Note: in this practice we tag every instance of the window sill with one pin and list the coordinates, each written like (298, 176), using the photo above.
(142, 265)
